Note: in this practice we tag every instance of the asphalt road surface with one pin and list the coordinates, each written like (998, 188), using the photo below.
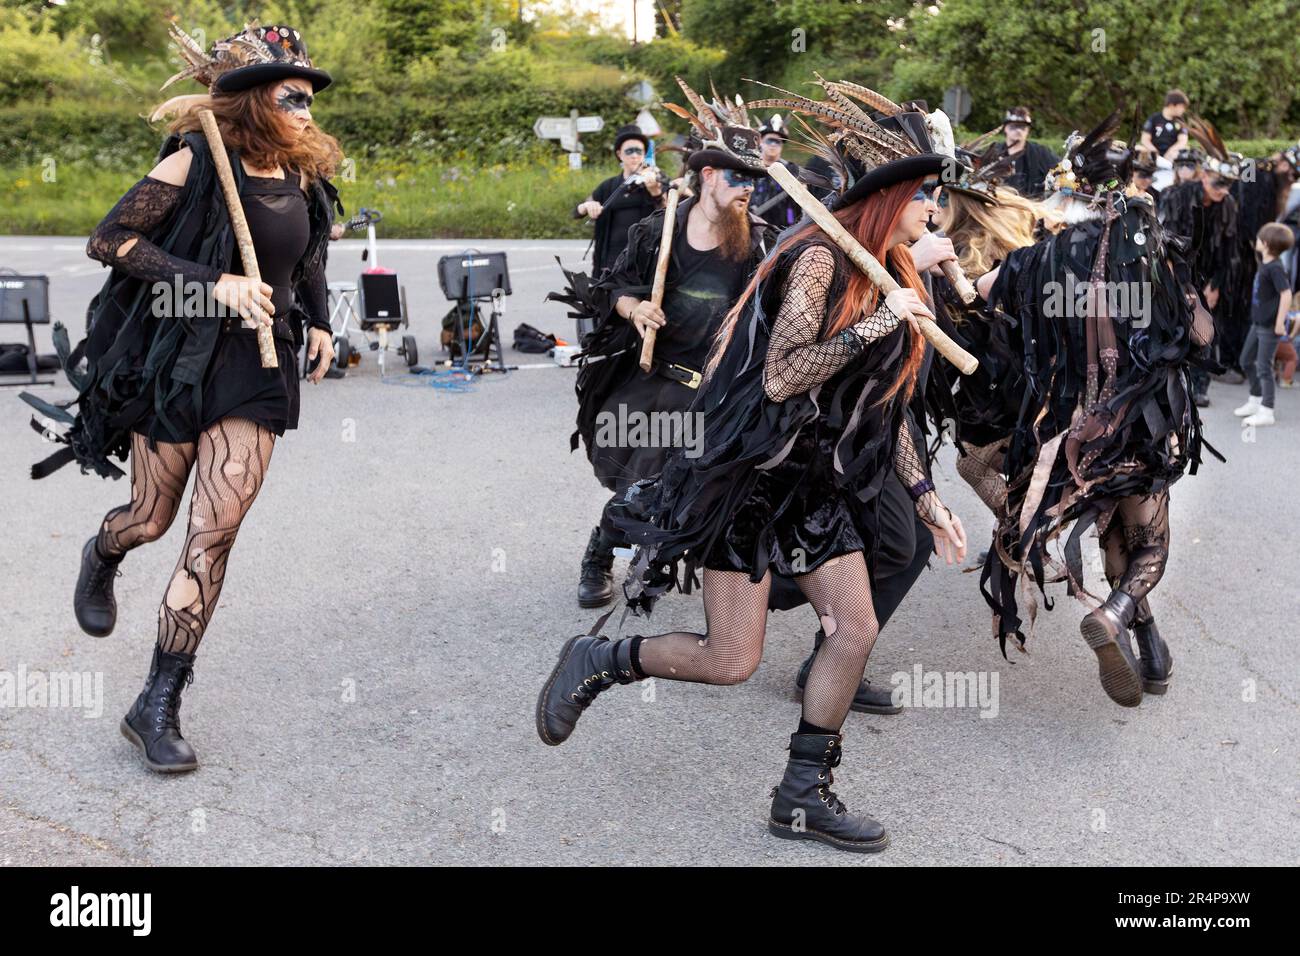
(400, 589)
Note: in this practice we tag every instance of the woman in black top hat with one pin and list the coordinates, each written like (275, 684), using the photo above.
(804, 407)
(623, 200)
(172, 367)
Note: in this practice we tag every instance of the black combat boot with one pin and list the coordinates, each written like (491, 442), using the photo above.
(153, 723)
(1155, 661)
(596, 587)
(805, 808)
(587, 666)
(1106, 631)
(869, 698)
(93, 601)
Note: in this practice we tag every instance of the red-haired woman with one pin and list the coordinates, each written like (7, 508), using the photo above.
(173, 373)
(804, 413)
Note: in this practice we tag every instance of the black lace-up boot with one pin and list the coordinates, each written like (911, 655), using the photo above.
(805, 808)
(153, 723)
(93, 601)
(1106, 631)
(869, 699)
(596, 587)
(587, 666)
(1155, 661)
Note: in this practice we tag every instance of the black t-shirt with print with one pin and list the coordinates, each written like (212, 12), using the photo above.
(704, 288)
(1164, 132)
(1271, 283)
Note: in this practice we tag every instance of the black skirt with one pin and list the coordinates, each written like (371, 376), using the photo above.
(795, 518)
(236, 386)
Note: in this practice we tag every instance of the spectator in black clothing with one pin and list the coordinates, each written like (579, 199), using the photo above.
(1033, 161)
(1164, 131)
(1144, 168)
(770, 201)
(1187, 166)
(623, 200)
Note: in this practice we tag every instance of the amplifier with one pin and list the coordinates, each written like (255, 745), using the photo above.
(15, 289)
(381, 298)
(473, 275)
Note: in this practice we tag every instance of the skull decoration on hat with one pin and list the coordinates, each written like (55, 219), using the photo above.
(721, 136)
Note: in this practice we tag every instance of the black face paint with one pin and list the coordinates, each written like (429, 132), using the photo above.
(295, 101)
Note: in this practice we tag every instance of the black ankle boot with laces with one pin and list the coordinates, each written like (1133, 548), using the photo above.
(805, 808)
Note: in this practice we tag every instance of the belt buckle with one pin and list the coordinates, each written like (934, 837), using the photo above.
(694, 380)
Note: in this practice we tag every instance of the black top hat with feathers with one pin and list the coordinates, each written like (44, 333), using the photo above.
(254, 56)
(868, 153)
(1218, 160)
(721, 135)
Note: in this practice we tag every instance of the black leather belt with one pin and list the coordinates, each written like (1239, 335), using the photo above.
(678, 373)
(279, 327)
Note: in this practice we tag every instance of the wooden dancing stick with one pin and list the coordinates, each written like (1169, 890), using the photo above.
(661, 273)
(954, 353)
(265, 343)
(958, 280)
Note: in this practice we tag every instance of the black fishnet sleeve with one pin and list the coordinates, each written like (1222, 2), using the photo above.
(796, 359)
(911, 470)
(145, 206)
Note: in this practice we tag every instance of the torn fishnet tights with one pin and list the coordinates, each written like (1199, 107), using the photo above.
(1135, 547)
(735, 612)
(157, 484)
(231, 458)
(981, 468)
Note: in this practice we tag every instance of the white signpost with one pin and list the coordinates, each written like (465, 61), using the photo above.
(566, 129)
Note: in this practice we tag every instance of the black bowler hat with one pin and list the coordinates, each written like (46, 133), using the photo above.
(630, 131)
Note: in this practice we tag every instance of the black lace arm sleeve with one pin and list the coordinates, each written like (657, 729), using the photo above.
(796, 360)
(315, 297)
(144, 207)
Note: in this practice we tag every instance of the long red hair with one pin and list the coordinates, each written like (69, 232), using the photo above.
(871, 221)
(251, 122)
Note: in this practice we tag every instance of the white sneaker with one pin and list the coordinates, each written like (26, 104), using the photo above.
(1252, 405)
(1262, 417)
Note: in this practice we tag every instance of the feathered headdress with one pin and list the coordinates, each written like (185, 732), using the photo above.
(1094, 162)
(254, 56)
(982, 168)
(865, 153)
(721, 134)
(1218, 158)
